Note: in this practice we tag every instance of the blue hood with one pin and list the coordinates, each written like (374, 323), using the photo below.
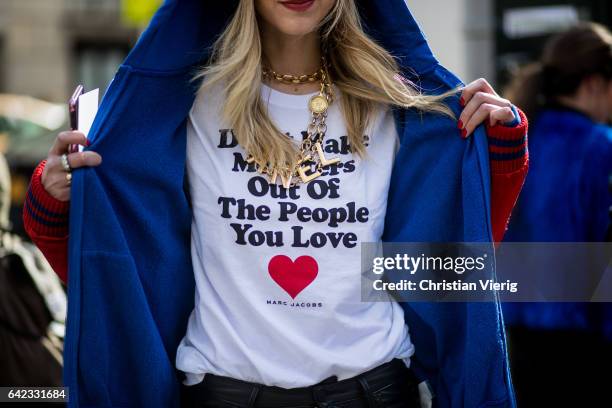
(130, 276)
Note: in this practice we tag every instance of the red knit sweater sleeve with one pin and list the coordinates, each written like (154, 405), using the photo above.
(45, 220)
(509, 158)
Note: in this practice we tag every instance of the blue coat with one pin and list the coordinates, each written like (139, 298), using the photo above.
(565, 199)
(131, 282)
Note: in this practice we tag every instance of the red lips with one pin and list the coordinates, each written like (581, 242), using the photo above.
(298, 5)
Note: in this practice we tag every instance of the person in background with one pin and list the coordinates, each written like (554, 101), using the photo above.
(32, 306)
(566, 198)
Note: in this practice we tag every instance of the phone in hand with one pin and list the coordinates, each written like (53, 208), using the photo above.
(73, 110)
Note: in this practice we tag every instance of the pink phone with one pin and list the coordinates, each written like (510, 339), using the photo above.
(73, 110)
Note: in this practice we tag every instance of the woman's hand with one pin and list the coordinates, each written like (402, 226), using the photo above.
(55, 178)
(481, 104)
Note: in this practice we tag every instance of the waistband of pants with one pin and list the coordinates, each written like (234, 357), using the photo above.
(246, 393)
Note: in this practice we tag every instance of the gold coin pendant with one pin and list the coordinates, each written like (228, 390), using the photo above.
(318, 104)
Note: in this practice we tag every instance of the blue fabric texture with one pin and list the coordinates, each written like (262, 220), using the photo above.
(565, 199)
(131, 282)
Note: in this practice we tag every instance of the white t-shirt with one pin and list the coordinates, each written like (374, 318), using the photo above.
(278, 272)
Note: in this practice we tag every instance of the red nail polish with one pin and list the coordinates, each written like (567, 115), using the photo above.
(87, 142)
(462, 101)
(463, 133)
(460, 124)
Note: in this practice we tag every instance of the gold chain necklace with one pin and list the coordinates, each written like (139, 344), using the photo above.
(311, 149)
(269, 73)
(291, 79)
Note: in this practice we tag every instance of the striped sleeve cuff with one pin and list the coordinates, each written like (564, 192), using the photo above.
(508, 150)
(44, 214)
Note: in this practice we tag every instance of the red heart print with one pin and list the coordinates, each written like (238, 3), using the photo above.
(293, 276)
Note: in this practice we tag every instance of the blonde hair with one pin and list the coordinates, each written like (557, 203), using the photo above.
(363, 71)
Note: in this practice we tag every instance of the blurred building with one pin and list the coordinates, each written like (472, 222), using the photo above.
(490, 38)
(48, 46)
(461, 34)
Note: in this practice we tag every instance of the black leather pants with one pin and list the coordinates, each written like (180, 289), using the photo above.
(391, 385)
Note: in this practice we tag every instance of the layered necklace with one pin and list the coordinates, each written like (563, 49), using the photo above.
(310, 152)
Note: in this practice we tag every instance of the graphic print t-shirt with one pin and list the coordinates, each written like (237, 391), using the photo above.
(278, 271)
